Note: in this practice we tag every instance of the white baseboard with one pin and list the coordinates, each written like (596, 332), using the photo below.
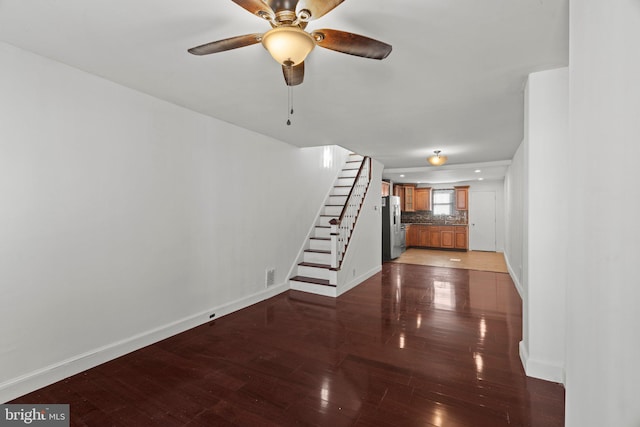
(543, 370)
(514, 277)
(47, 375)
(356, 281)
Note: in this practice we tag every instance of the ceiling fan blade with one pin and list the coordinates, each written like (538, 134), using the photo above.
(293, 75)
(257, 7)
(226, 44)
(353, 44)
(320, 8)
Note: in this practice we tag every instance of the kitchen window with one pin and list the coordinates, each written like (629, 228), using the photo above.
(443, 202)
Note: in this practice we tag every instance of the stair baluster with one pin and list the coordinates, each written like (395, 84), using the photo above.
(342, 227)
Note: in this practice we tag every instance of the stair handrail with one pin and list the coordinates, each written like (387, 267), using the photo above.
(342, 227)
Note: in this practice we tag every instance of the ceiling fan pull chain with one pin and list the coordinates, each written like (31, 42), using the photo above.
(290, 97)
(289, 109)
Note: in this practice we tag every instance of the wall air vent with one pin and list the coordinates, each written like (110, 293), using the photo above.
(270, 277)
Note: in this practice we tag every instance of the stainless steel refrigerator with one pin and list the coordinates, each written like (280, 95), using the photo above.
(393, 238)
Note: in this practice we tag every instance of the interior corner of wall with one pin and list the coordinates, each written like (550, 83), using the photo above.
(541, 369)
(524, 354)
(544, 370)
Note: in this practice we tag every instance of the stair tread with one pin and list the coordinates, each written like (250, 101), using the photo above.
(312, 280)
(323, 226)
(331, 216)
(315, 264)
(317, 251)
(320, 238)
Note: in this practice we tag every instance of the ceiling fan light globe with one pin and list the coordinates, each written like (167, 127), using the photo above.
(288, 45)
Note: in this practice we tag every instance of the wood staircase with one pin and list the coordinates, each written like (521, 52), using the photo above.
(318, 271)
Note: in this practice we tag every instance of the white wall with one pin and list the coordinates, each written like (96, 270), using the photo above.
(603, 294)
(125, 219)
(547, 214)
(537, 213)
(514, 219)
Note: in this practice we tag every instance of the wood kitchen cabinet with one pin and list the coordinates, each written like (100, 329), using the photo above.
(422, 197)
(437, 236)
(461, 238)
(423, 236)
(462, 198)
(409, 198)
(434, 237)
(385, 188)
(406, 193)
(412, 236)
(446, 237)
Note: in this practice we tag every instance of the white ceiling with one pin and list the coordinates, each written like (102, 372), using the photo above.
(454, 80)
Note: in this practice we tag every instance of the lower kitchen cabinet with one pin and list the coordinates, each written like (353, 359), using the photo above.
(446, 237)
(412, 236)
(461, 238)
(434, 236)
(423, 235)
(437, 236)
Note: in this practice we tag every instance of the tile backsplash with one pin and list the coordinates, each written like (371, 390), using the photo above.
(458, 217)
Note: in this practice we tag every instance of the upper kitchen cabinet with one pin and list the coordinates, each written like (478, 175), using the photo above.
(406, 192)
(462, 198)
(385, 188)
(422, 198)
(409, 198)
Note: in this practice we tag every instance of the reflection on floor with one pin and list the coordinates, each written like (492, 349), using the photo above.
(413, 345)
(472, 260)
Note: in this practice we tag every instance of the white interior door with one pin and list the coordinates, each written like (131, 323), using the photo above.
(482, 221)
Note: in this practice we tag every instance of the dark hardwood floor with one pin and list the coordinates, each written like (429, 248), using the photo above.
(412, 346)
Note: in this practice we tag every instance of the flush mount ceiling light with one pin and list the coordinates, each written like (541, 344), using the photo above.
(437, 159)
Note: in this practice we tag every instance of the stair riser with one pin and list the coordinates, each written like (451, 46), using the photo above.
(337, 200)
(315, 272)
(340, 191)
(349, 173)
(324, 220)
(317, 258)
(345, 181)
(322, 232)
(333, 210)
(322, 245)
(354, 157)
(329, 291)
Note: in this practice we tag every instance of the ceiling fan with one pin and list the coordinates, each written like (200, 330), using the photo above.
(288, 42)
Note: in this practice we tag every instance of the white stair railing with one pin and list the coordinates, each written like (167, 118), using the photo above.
(342, 227)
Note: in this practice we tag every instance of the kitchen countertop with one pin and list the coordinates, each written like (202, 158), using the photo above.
(435, 224)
